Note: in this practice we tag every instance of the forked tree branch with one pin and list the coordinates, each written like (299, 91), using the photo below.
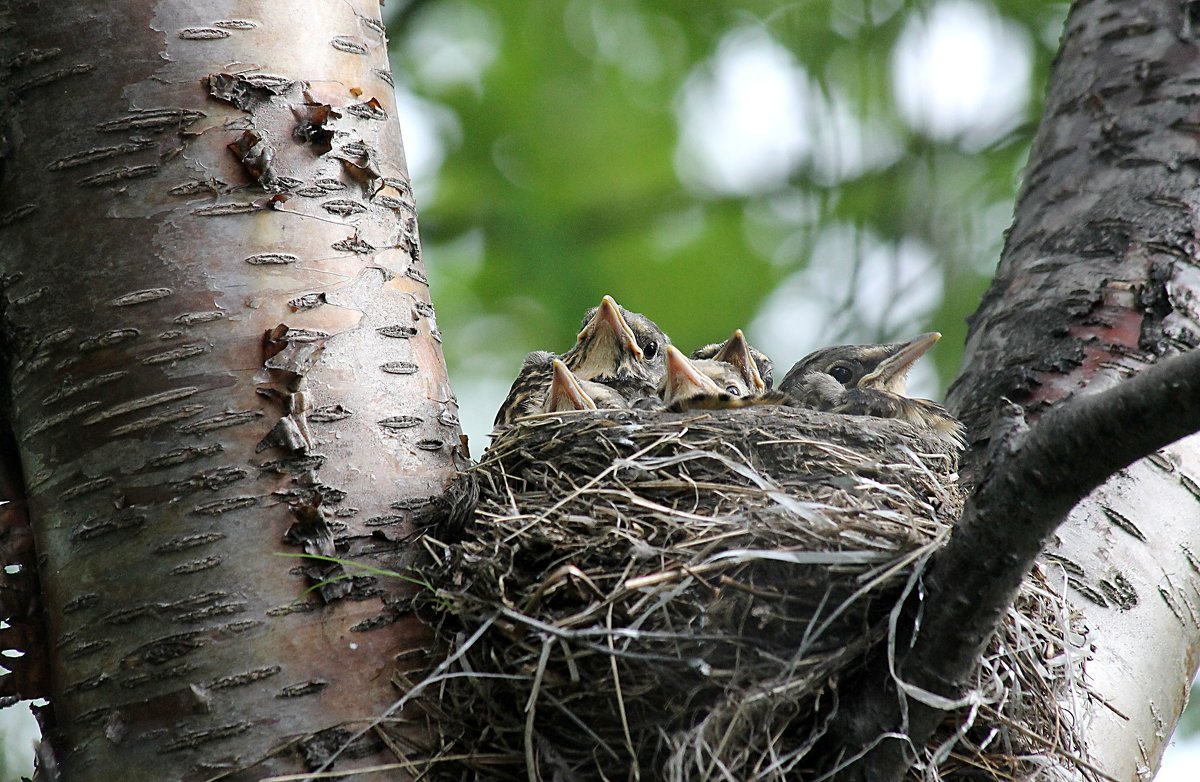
(1032, 478)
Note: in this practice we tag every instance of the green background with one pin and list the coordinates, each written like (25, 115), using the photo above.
(816, 173)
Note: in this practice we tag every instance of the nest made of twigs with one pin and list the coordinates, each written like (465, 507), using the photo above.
(677, 596)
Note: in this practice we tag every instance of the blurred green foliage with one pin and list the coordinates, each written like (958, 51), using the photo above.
(566, 174)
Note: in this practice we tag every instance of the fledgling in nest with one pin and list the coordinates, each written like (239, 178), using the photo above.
(870, 380)
(619, 348)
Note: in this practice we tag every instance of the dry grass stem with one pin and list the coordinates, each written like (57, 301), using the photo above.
(679, 597)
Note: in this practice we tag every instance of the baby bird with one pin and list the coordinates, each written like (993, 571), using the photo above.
(707, 384)
(567, 392)
(623, 349)
(752, 364)
(686, 387)
(870, 380)
(528, 391)
(620, 348)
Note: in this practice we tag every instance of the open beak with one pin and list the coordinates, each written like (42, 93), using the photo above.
(737, 352)
(606, 343)
(683, 380)
(892, 373)
(565, 392)
(609, 326)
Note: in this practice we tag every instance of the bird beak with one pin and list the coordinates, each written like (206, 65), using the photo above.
(608, 326)
(892, 373)
(683, 380)
(565, 392)
(737, 352)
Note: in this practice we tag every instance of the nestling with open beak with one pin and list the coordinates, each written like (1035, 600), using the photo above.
(870, 380)
(567, 392)
(707, 384)
(619, 348)
(752, 364)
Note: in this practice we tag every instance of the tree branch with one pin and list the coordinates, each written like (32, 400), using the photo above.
(1034, 477)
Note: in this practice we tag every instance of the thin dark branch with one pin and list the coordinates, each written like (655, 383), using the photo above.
(1033, 478)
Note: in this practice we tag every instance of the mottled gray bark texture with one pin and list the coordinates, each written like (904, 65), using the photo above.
(219, 348)
(1097, 282)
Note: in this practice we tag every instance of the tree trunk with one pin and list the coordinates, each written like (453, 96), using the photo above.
(179, 180)
(1098, 280)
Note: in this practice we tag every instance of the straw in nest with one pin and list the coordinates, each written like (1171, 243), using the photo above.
(678, 596)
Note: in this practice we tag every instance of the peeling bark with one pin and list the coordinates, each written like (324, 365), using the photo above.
(1097, 284)
(216, 320)
(1099, 279)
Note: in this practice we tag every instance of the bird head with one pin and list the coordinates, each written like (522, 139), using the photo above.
(752, 365)
(566, 392)
(617, 343)
(879, 367)
(701, 383)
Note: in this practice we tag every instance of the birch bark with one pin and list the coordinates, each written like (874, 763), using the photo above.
(179, 180)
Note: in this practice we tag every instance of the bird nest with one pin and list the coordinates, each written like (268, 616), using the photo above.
(678, 596)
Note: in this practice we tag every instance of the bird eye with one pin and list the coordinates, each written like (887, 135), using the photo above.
(841, 373)
(650, 349)
(733, 390)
